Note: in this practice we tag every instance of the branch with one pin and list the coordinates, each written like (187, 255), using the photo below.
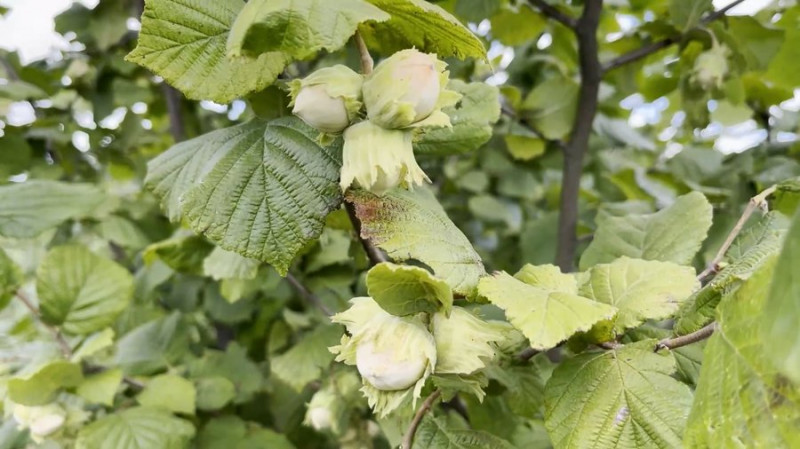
(373, 253)
(553, 13)
(591, 75)
(755, 202)
(173, 99)
(527, 354)
(649, 49)
(307, 295)
(366, 59)
(683, 340)
(408, 438)
(66, 350)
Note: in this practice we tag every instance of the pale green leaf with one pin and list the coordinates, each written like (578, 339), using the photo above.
(10, 278)
(136, 428)
(785, 66)
(619, 398)
(305, 361)
(184, 253)
(41, 386)
(169, 392)
(214, 392)
(673, 234)
(153, 345)
(233, 365)
(524, 148)
(184, 41)
(464, 342)
(741, 400)
(123, 232)
(32, 207)
(100, 388)
(476, 10)
(259, 189)
(413, 225)
(93, 344)
(756, 42)
(641, 290)
(298, 28)
(222, 264)
(472, 119)
(81, 291)
(436, 433)
(685, 14)
(513, 28)
(407, 290)
(17, 90)
(231, 432)
(424, 26)
(548, 277)
(550, 106)
(780, 319)
(546, 317)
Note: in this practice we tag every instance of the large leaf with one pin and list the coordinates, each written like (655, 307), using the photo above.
(673, 234)
(641, 290)
(41, 386)
(436, 433)
(298, 28)
(184, 41)
(406, 290)
(472, 119)
(427, 27)
(785, 66)
(413, 225)
(781, 314)
(305, 361)
(259, 189)
(169, 392)
(550, 106)
(81, 291)
(741, 399)
(619, 398)
(136, 428)
(545, 315)
(30, 208)
(153, 345)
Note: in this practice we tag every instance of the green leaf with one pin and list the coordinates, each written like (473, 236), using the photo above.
(259, 189)
(214, 392)
(32, 207)
(183, 253)
(472, 119)
(784, 69)
(427, 27)
(513, 28)
(756, 42)
(780, 317)
(685, 14)
(673, 234)
(750, 250)
(81, 291)
(436, 433)
(476, 10)
(10, 278)
(17, 90)
(524, 148)
(407, 290)
(550, 106)
(305, 361)
(413, 225)
(153, 345)
(233, 365)
(41, 386)
(740, 397)
(136, 428)
(298, 28)
(94, 344)
(640, 290)
(545, 316)
(123, 232)
(100, 388)
(169, 392)
(464, 342)
(626, 398)
(222, 264)
(184, 41)
(231, 432)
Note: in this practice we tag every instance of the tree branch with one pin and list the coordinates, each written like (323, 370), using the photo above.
(66, 349)
(307, 295)
(527, 354)
(173, 99)
(649, 49)
(373, 253)
(755, 202)
(366, 58)
(553, 13)
(683, 340)
(591, 74)
(408, 438)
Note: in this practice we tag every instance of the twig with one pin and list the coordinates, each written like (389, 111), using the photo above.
(610, 345)
(527, 354)
(307, 295)
(754, 203)
(641, 52)
(173, 100)
(374, 254)
(553, 13)
(683, 340)
(591, 75)
(366, 59)
(408, 438)
(66, 350)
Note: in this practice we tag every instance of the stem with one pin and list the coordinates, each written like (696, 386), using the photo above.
(553, 13)
(642, 52)
(66, 350)
(683, 340)
(408, 438)
(307, 295)
(526, 354)
(366, 59)
(373, 253)
(591, 74)
(173, 100)
(754, 203)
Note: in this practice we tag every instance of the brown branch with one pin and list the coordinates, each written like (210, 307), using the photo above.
(755, 202)
(307, 295)
(366, 59)
(527, 354)
(173, 99)
(591, 74)
(552, 12)
(408, 438)
(639, 53)
(683, 340)
(373, 253)
(66, 349)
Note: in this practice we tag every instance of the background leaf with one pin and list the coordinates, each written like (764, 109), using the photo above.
(406, 290)
(136, 428)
